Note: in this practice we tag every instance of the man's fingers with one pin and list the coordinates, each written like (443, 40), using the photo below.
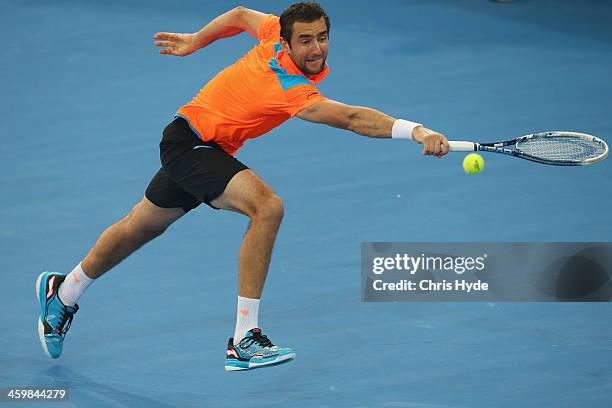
(168, 40)
(435, 144)
(446, 146)
(442, 146)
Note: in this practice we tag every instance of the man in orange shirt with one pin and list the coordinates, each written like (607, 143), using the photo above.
(273, 82)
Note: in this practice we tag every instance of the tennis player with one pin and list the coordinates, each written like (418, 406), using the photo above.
(273, 82)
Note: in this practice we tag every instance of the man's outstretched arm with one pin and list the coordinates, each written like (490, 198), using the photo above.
(372, 123)
(228, 24)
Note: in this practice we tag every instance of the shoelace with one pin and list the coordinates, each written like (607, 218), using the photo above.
(65, 321)
(260, 339)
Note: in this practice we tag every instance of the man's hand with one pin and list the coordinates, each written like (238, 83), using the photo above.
(433, 142)
(177, 44)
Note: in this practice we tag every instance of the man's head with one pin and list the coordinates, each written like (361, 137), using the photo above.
(304, 36)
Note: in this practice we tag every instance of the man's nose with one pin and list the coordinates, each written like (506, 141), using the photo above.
(316, 47)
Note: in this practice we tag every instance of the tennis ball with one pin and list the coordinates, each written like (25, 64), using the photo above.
(473, 163)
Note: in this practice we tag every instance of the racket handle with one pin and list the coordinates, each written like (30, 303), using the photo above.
(458, 146)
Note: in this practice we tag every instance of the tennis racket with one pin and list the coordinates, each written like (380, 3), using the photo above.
(556, 148)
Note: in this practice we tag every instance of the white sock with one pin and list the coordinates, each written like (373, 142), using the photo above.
(247, 317)
(73, 286)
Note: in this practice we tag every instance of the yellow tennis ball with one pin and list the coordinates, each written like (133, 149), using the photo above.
(473, 163)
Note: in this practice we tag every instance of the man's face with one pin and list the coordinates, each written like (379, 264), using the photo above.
(308, 46)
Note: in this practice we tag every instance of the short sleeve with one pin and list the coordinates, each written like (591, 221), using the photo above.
(302, 96)
(269, 28)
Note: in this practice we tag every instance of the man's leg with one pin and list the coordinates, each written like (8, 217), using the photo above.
(144, 222)
(58, 293)
(248, 194)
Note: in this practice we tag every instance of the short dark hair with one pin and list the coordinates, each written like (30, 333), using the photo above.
(302, 12)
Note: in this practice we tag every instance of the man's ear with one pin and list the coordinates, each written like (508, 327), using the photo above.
(285, 46)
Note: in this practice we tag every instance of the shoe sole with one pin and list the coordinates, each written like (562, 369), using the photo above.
(41, 327)
(267, 363)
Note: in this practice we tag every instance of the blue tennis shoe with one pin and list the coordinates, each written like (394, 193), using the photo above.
(55, 317)
(255, 350)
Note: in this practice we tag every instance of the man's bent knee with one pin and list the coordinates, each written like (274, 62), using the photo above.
(270, 207)
(248, 194)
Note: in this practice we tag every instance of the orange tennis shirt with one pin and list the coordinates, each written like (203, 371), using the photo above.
(258, 92)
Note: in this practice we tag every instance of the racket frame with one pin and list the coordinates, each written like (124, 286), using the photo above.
(499, 147)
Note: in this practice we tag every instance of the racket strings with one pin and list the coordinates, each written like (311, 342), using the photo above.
(561, 148)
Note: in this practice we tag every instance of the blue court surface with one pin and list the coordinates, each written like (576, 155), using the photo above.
(86, 97)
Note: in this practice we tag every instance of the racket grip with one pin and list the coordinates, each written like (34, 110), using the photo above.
(458, 146)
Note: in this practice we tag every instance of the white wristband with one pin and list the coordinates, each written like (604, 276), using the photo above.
(402, 129)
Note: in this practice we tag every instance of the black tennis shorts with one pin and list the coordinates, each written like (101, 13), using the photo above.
(193, 171)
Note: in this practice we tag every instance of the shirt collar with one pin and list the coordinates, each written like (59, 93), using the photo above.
(286, 62)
